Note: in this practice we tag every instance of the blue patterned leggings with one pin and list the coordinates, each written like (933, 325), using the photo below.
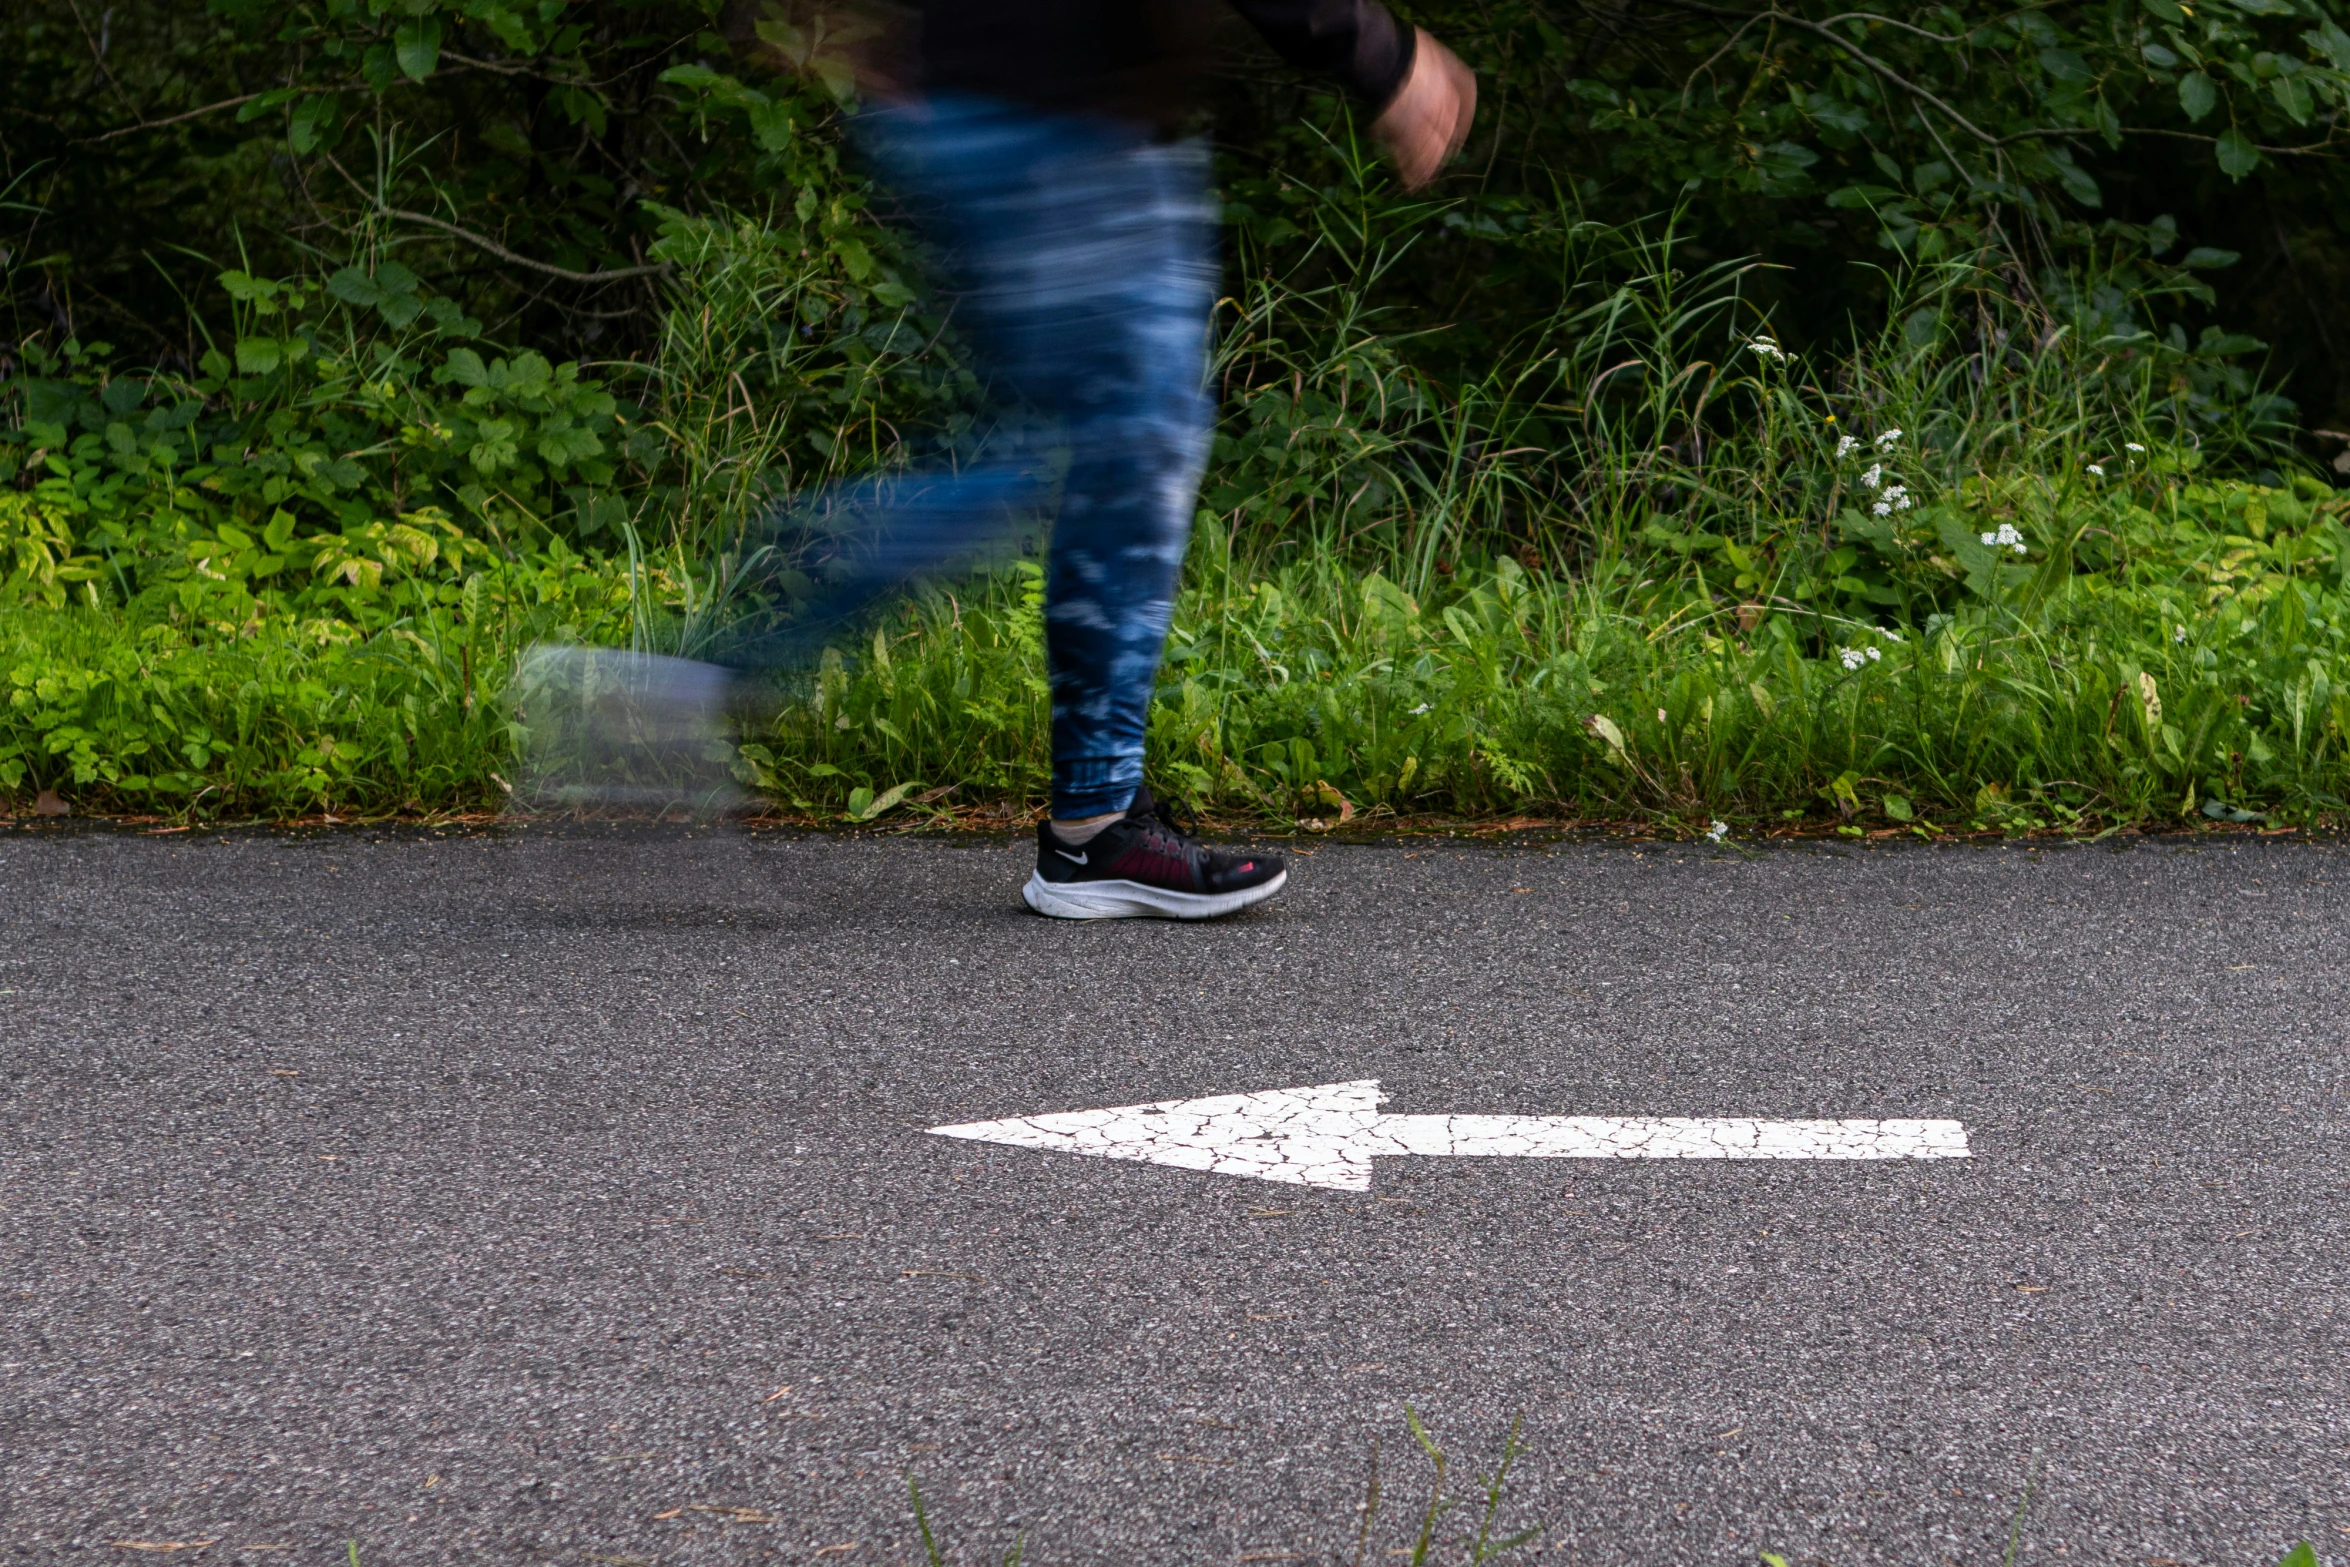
(1085, 259)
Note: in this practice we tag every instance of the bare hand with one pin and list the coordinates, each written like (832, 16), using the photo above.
(1428, 119)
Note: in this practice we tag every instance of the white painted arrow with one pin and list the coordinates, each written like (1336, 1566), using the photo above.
(1329, 1134)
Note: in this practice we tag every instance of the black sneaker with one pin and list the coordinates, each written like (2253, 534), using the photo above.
(1142, 866)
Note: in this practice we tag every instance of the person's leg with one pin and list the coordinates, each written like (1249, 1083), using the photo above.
(966, 170)
(1138, 422)
(1122, 281)
(1086, 253)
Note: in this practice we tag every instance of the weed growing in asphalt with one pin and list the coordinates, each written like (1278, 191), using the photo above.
(1480, 1547)
(1429, 1546)
(930, 1549)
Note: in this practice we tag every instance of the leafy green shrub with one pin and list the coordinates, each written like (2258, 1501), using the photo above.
(292, 712)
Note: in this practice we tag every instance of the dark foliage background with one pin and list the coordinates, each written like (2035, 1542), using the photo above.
(148, 144)
(2139, 137)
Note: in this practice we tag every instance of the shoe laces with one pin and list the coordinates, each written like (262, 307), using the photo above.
(1166, 812)
(1168, 820)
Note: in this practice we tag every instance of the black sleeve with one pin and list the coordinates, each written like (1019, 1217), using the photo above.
(1356, 42)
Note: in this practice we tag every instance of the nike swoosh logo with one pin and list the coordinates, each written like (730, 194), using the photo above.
(1074, 859)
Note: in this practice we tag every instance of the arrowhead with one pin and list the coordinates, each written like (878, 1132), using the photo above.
(1319, 1136)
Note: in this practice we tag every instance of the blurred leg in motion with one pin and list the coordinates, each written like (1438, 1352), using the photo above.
(1082, 256)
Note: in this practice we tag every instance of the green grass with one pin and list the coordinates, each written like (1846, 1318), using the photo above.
(1645, 568)
(2204, 669)
(1314, 690)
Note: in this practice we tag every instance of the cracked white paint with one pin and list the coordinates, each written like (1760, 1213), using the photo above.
(1329, 1134)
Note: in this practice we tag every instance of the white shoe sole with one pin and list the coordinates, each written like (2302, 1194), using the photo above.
(1131, 900)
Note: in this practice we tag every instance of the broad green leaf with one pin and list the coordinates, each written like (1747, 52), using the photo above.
(2164, 11)
(855, 259)
(2198, 95)
(495, 449)
(2330, 41)
(2237, 156)
(354, 287)
(512, 30)
(875, 804)
(376, 67)
(258, 355)
(2207, 258)
(771, 126)
(249, 290)
(418, 46)
(699, 77)
(266, 102)
(1847, 118)
(2079, 185)
(465, 368)
(564, 446)
(2300, 1556)
(2066, 65)
(2215, 342)
(302, 128)
(2292, 96)
(1862, 196)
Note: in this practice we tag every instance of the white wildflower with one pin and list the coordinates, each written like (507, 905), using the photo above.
(1896, 496)
(1875, 476)
(1853, 658)
(1718, 831)
(1876, 654)
(1844, 446)
(1881, 509)
(2132, 446)
(2097, 470)
(1885, 441)
(1417, 711)
(1768, 349)
(1889, 634)
(2179, 634)
(2007, 538)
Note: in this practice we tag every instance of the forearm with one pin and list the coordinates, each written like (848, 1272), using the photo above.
(1355, 43)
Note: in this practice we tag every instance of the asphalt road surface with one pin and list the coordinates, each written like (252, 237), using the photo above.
(567, 1199)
